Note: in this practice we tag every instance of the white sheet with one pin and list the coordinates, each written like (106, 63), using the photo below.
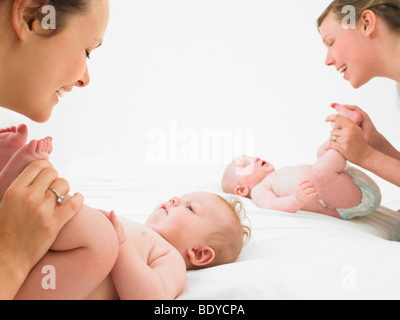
(290, 256)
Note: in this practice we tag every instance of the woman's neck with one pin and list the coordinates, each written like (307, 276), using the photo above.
(389, 61)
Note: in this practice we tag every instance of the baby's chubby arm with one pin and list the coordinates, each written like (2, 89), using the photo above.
(162, 278)
(264, 197)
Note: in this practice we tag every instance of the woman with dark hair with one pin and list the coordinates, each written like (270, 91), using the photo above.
(40, 62)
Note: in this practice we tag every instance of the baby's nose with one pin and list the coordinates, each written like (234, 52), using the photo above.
(174, 201)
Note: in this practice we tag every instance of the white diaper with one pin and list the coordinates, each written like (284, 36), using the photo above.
(370, 199)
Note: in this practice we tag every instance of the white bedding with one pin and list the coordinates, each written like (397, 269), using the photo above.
(290, 256)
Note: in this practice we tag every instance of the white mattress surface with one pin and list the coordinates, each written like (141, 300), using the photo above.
(290, 256)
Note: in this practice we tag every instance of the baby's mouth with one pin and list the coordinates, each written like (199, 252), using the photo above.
(164, 207)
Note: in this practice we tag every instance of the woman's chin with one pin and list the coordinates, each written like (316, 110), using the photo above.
(42, 115)
(357, 83)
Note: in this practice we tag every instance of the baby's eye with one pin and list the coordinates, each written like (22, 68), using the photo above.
(190, 208)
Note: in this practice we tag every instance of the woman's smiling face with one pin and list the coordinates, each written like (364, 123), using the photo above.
(349, 50)
(47, 67)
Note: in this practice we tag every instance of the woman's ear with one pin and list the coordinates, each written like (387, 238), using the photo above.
(24, 17)
(368, 22)
(201, 256)
(242, 191)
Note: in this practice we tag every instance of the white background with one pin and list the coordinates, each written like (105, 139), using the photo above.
(179, 69)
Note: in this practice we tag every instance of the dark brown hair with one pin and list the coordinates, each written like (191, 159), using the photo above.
(65, 9)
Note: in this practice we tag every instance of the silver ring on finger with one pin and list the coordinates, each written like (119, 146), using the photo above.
(334, 138)
(60, 197)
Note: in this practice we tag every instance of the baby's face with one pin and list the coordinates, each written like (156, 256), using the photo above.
(247, 171)
(186, 222)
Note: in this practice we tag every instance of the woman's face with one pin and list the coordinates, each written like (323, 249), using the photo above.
(349, 51)
(47, 67)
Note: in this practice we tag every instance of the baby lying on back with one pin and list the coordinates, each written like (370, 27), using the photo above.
(95, 256)
(328, 187)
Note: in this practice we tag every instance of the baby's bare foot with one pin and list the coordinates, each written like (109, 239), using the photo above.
(353, 115)
(34, 150)
(11, 140)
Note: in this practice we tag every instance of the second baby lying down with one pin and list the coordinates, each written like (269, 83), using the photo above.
(329, 187)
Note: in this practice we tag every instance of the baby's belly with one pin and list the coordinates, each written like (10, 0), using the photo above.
(285, 183)
(285, 180)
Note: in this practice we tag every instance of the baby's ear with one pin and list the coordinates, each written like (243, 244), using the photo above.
(242, 191)
(201, 256)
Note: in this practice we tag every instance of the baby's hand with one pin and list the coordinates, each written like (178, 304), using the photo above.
(305, 191)
(119, 228)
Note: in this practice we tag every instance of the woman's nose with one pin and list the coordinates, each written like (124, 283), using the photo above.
(84, 80)
(329, 61)
(175, 201)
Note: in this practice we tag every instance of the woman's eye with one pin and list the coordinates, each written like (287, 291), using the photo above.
(87, 54)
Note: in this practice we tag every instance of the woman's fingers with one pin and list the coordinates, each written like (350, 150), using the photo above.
(31, 172)
(44, 180)
(31, 190)
(61, 186)
(68, 209)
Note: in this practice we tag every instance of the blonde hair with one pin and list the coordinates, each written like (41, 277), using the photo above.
(388, 10)
(229, 241)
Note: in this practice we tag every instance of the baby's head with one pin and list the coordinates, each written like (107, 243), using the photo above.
(205, 228)
(243, 174)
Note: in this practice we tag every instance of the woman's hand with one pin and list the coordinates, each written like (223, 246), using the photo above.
(371, 135)
(349, 140)
(30, 220)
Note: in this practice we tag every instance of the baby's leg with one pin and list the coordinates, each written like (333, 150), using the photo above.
(82, 257)
(322, 149)
(35, 150)
(11, 139)
(334, 186)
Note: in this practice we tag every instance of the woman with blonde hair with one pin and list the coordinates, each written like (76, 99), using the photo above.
(368, 49)
(40, 62)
